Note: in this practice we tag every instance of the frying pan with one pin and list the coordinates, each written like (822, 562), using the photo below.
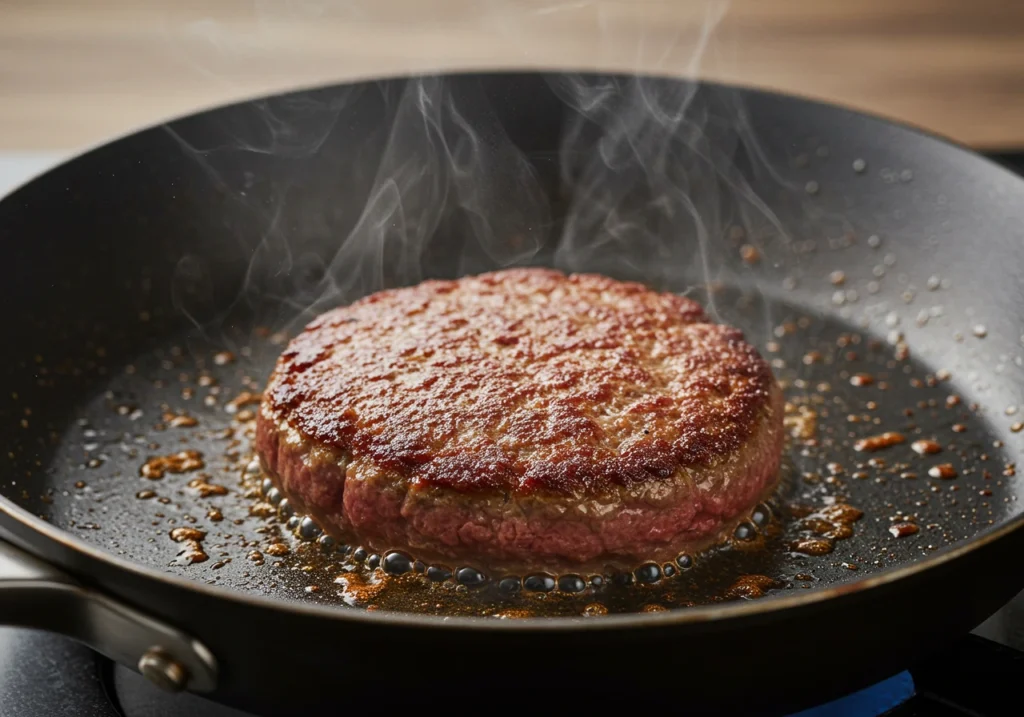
(127, 269)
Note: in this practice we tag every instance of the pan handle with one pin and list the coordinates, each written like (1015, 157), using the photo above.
(36, 595)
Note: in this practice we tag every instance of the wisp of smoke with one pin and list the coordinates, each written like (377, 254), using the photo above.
(652, 181)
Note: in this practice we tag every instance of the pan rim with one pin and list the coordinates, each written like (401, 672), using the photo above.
(701, 614)
(69, 156)
(688, 616)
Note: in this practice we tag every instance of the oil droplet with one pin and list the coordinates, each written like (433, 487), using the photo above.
(509, 586)
(205, 489)
(902, 530)
(262, 509)
(309, 529)
(145, 494)
(539, 582)
(980, 331)
(751, 587)
(571, 584)
(877, 443)
(861, 379)
(223, 358)
(1017, 427)
(926, 447)
(470, 577)
(745, 531)
(801, 421)
(180, 420)
(182, 534)
(750, 254)
(396, 562)
(192, 552)
(648, 573)
(245, 398)
(945, 471)
(181, 462)
(438, 574)
(594, 609)
(813, 546)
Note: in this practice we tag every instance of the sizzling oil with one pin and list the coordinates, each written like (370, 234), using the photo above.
(862, 489)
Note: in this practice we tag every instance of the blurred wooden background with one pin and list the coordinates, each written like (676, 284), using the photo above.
(75, 72)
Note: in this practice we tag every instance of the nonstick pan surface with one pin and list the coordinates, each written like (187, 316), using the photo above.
(152, 281)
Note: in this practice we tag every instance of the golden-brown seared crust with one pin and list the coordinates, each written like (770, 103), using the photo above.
(523, 380)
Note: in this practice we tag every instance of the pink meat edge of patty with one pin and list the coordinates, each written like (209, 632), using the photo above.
(355, 502)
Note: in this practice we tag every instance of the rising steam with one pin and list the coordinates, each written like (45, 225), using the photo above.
(646, 182)
(438, 164)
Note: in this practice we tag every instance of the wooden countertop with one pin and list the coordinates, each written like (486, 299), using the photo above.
(75, 73)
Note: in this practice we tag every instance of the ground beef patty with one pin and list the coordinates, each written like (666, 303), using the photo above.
(522, 417)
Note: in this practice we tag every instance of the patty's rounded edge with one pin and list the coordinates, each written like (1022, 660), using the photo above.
(532, 475)
(356, 501)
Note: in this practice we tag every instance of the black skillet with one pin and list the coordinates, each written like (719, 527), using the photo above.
(137, 262)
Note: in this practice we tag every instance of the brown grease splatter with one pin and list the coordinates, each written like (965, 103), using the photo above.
(813, 546)
(245, 398)
(882, 440)
(751, 587)
(192, 550)
(926, 447)
(180, 420)
(205, 489)
(181, 462)
(902, 530)
(801, 421)
(945, 471)
(276, 549)
(182, 534)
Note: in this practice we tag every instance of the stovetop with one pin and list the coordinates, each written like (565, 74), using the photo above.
(44, 675)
